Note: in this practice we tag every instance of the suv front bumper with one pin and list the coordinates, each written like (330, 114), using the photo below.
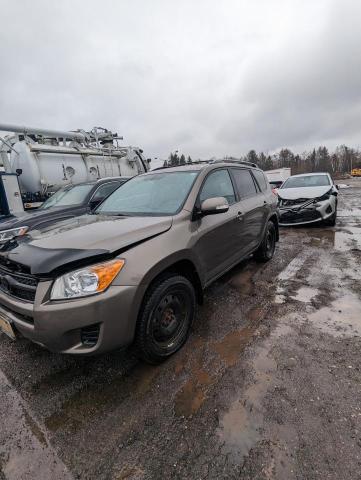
(58, 325)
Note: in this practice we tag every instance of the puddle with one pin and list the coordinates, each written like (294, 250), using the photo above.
(243, 281)
(192, 395)
(93, 399)
(305, 294)
(230, 347)
(342, 240)
(292, 268)
(240, 427)
(341, 318)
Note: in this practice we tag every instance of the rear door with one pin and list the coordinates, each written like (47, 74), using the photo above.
(217, 246)
(253, 208)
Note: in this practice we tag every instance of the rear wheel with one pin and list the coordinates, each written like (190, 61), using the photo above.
(165, 318)
(266, 250)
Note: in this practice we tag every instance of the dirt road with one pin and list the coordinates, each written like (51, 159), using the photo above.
(268, 386)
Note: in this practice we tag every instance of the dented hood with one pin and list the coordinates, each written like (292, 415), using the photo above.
(303, 192)
(42, 251)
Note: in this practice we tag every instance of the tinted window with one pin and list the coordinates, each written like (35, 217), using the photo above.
(244, 182)
(218, 184)
(104, 191)
(71, 195)
(261, 180)
(151, 194)
(307, 181)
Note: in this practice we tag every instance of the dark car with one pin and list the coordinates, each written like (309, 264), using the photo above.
(68, 202)
(135, 268)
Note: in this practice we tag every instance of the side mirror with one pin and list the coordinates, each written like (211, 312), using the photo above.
(94, 203)
(214, 205)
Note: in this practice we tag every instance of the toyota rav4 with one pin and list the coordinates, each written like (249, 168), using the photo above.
(135, 269)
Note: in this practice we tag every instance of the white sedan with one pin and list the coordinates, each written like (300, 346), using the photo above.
(308, 198)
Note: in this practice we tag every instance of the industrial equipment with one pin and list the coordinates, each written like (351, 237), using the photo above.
(46, 160)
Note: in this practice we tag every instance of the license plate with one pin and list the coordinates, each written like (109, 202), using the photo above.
(6, 327)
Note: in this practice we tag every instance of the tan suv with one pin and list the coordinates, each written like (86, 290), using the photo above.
(136, 268)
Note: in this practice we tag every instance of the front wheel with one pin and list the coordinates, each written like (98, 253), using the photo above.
(266, 250)
(165, 318)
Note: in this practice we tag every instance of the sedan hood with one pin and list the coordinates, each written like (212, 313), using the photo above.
(44, 251)
(302, 192)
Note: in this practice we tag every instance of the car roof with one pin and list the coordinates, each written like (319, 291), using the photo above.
(309, 174)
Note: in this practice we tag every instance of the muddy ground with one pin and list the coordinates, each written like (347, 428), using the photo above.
(267, 387)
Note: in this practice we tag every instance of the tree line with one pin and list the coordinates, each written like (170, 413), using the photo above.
(341, 160)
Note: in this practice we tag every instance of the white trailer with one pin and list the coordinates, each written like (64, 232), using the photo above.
(46, 160)
(278, 176)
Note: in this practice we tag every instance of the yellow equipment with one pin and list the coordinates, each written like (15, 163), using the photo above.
(356, 172)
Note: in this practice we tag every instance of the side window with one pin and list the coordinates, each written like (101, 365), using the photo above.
(104, 191)
(244, 182)
(261, 180)
(218, 184)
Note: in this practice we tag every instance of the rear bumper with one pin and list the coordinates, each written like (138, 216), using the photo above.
(59, 326)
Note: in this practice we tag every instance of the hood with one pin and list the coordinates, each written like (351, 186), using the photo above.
(53, 248)
(303, 192)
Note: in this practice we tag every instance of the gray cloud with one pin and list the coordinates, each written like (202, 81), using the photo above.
(205, 77)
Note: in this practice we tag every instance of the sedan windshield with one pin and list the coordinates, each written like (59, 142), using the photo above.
(67, 196)
(154, 194)
(307, 181)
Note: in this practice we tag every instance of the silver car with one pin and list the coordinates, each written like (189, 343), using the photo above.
(308, 198)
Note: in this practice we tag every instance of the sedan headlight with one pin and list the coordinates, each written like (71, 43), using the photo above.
(86, 281)
(6, 235)
(324, 197)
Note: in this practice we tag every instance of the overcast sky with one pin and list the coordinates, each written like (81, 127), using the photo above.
(202, 76)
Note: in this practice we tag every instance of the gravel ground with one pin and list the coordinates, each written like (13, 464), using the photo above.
(267, 387)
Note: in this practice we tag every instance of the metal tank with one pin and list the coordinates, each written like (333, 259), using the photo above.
(46, 160)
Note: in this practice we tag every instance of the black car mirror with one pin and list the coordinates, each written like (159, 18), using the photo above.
(214, 205)
(94, 203)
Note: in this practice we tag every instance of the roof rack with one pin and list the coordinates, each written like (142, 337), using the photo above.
(235, 160)
(197, 162)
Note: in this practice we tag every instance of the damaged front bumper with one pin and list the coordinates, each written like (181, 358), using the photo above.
(311, 211)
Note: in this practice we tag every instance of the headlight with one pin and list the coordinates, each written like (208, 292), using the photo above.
(324, 197)
(6, 235)
(86, 281)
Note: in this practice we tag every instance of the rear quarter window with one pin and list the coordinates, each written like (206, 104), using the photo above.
(261, 180)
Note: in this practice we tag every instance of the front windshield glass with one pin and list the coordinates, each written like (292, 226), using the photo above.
(74, 195)
(154, 194)
(307, 181)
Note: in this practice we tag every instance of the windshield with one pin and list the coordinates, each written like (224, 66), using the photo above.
(307, 181)
(154, 194)
(74, 195)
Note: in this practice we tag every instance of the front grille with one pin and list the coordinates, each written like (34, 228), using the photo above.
(18, 285)
(301, 216)
(90, 335)
(290, 203)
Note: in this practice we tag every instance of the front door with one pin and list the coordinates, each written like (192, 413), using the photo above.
(217, 246)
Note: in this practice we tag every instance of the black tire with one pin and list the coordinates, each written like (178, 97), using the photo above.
(266, 250)
(165, 318)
